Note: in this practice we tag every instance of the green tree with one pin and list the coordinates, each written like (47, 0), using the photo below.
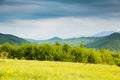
(66, 47)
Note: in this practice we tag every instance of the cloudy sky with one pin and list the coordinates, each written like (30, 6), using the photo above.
(43, 19)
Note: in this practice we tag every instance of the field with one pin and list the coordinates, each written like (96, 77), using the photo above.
(50, 70)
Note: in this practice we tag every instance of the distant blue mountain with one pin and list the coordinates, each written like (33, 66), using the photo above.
(31, 40)
(104, 41)
(55, 38)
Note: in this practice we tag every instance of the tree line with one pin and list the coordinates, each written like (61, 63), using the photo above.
(58, 52)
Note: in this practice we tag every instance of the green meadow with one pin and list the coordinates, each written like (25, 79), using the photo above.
(50, 70)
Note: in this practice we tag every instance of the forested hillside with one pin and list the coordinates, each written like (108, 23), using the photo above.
(111, 42)
(81, 40)
(52, 40)
(7, 38)
(71, 41)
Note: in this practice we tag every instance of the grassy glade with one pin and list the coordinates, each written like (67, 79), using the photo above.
(59, 52)
(50, 70)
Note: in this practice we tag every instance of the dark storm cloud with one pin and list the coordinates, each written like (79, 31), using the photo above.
(1, 2)
(39, 9)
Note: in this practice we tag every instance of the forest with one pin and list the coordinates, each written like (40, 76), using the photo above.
(59, 52)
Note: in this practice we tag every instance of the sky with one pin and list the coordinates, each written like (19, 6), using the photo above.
(44, 19)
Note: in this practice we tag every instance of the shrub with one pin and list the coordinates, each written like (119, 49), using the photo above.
(3, 55)
(59, 52)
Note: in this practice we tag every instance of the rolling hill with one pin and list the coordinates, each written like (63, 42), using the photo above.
(55, 39)
(72, 41)
(11, 39)
(111, 42)
(52, 40)
(83, 40)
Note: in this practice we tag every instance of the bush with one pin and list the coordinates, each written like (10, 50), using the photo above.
(59, 52)
(3, 55)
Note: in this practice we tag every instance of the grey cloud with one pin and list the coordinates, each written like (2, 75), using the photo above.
(39, 9)
(1, 2)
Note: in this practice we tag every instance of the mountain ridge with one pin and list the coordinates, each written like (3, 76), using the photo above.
(4, 38)
(55, 38)
(111, 42)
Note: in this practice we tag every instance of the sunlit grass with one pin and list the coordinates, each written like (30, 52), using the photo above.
(49, 70)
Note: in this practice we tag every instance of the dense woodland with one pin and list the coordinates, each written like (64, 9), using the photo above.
(59, 52)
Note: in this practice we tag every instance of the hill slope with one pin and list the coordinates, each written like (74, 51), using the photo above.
(72, 41)
(11, 39)
(111, 42)
(83, 40)
(52, 40)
